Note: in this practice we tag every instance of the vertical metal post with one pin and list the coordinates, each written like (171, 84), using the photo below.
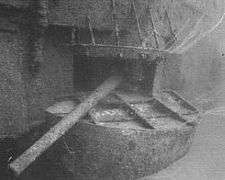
(114, 16)
(153, 28)
(169, 22)
(91, 30)
(43, 12)
(137, 21)
(74, 34)
(174, 38)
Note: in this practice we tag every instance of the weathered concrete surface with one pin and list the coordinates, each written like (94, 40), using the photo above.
(206, 158)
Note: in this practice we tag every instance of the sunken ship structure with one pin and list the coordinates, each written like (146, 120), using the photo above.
(88, 90)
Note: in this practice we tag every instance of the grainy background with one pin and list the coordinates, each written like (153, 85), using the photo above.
(198, 74)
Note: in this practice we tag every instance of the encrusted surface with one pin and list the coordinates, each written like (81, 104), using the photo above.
(98, 152)
(119, 147)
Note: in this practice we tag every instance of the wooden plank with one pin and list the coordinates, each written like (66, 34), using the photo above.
(57, 131)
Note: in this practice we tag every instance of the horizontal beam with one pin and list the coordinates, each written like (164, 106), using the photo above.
(112, 51)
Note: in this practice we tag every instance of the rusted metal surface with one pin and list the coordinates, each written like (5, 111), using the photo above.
(105, 153)
(120, 146)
